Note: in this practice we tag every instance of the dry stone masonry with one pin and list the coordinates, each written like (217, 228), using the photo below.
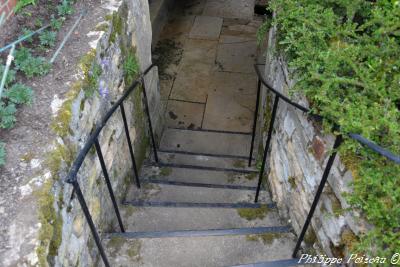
(52, 230)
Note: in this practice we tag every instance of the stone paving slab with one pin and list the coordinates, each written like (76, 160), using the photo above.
(177, 27)
(184, 114)
(207, 28)
(173, 193)
(231, 102)
(243, 9)
(240, 28)
(192, 83)
(206, 142)
(199, 176)
(236, 54)
(212, 251)
(203, 51)
(175, 219)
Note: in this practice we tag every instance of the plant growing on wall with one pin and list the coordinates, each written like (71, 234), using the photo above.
(344, 55)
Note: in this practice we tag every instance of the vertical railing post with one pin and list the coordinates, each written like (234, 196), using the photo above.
(325, 175)
(255, 122)
(89, 219)
(135, 171)
(107, 178)
(267, 143)
(146, 103)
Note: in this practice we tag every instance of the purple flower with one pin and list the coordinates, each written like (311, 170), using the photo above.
(103, 90)
(105, 63)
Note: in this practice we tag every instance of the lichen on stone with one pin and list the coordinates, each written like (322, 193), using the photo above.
(253, 214)
(50, 236)
(267, 238)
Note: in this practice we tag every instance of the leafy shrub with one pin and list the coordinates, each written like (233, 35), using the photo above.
(65, 8)
(48, 38)
(30, 65)
(56, 23)
(345, 57)
(10, 75)
(7, 115)
(19, 94)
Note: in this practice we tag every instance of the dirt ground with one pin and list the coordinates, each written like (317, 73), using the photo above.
(29, 140)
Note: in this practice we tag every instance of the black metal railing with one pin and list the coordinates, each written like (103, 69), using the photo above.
(94, 141)
(338, 141)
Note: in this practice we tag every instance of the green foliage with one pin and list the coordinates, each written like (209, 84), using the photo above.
(30, 65)
(10, 75)
(23, 3)
(262, 31)
(344, 55)
(7, 115)
(131, 67)
(26, 31)
(48, 38)
(56, 23)
(65, 8)
(2, 154)
(19, 94)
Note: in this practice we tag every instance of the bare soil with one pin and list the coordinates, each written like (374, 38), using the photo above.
(32, 136)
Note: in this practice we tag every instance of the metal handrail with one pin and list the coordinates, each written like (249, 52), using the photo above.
(339, 140)
(71, 178)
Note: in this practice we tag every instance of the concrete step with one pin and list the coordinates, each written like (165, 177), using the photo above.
(215, 143)
(191, 175)
(189, 194)
(238, 164)
(145, 219)
(210, 251)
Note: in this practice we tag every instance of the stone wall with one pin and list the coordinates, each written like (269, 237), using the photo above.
(58, 234)
(298, 156)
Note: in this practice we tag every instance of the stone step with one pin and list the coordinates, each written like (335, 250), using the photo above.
(199, 176)
(239, 164)
(207, 142)
(147, 219)
(189, 194)
(210, 251)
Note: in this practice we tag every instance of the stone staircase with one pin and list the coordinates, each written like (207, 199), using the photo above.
(196, 208)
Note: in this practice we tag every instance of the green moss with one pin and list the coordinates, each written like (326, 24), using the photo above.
(267, 238)
(133, 250)
(336, 207)
(60, 124)
(102, 27)
(349, 239)
(50, 236)
(251, 176)
(310, 238)
(252, 214)
(130, 210)
(117, 27)
(167, 52)
(239, 164)
(115, 244)
(165, 171)
(60, 154)
(292, 182)
(27, 157)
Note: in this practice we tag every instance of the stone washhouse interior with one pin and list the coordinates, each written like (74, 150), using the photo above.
(173, 133)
